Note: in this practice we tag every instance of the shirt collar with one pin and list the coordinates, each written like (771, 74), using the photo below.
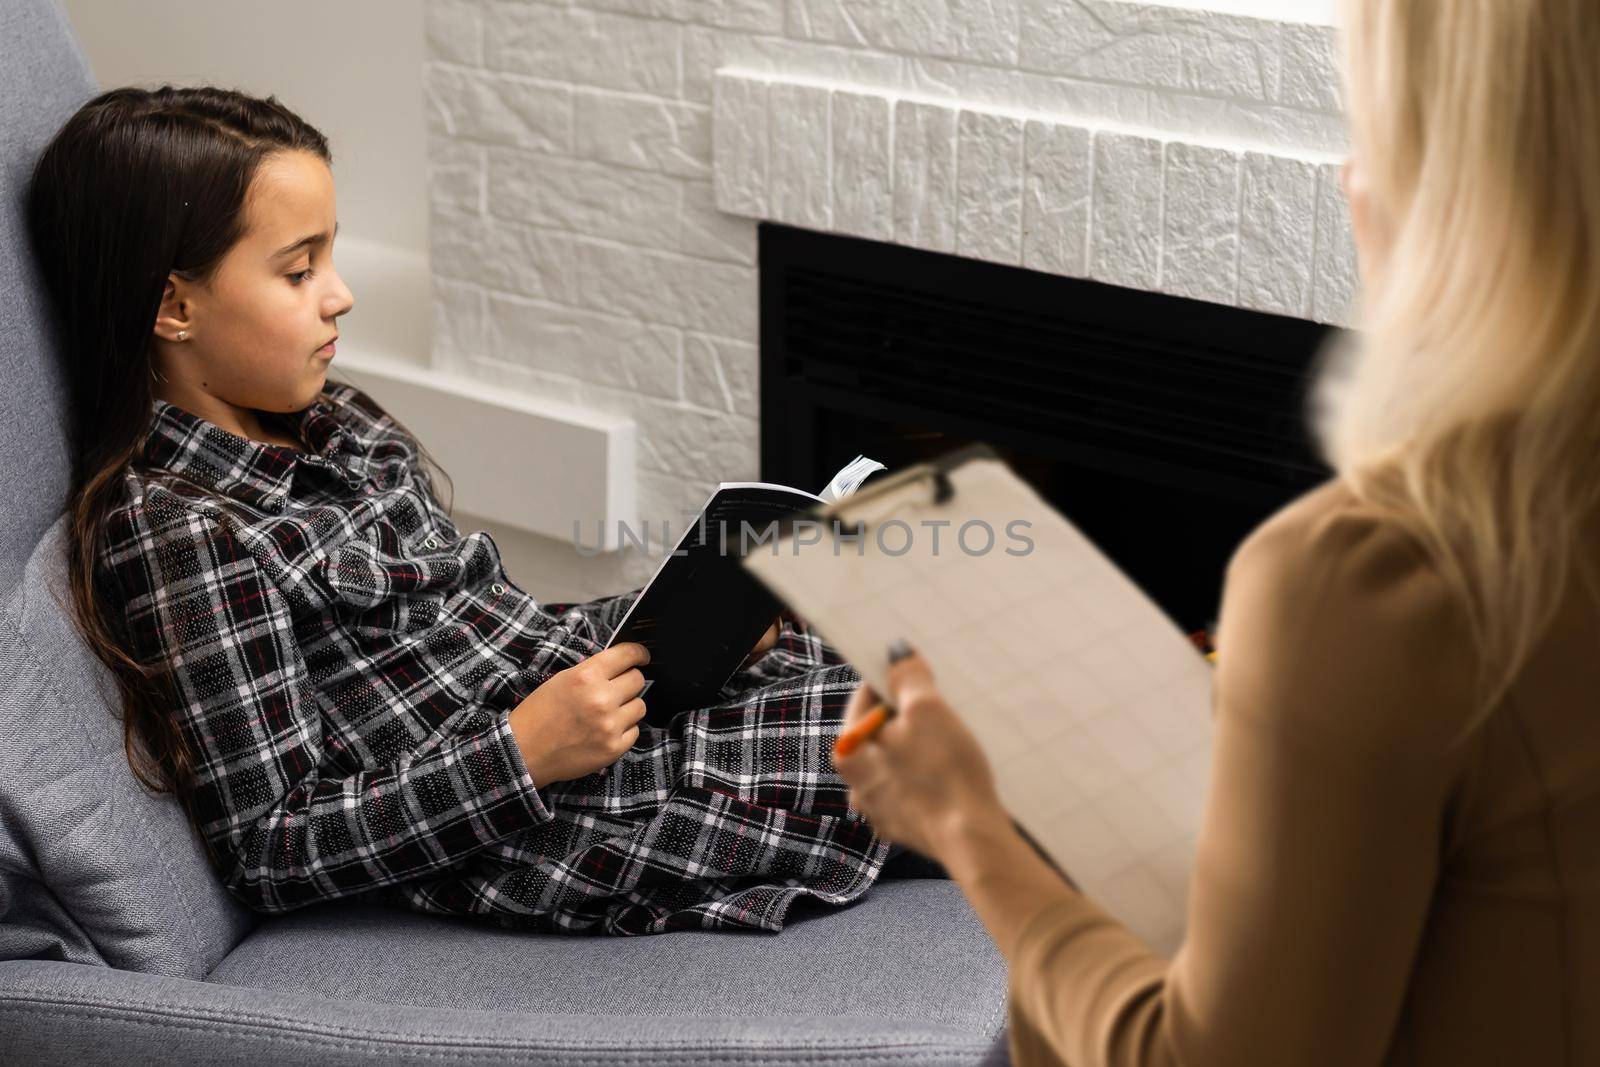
(252, 471)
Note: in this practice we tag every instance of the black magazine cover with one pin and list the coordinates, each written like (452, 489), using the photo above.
(702, 613)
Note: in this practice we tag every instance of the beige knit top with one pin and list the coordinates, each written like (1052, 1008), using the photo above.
(1364, 893)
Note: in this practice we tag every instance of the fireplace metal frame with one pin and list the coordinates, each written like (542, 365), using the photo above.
(1155, 393)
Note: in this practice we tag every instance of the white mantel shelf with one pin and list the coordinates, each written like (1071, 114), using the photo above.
(1152, 209)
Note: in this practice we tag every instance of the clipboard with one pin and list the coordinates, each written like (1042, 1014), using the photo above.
(1093, 707)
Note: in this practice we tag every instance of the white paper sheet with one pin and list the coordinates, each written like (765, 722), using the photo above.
(1093, 707)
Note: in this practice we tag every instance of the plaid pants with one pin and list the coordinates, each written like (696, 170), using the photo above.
(720, 820)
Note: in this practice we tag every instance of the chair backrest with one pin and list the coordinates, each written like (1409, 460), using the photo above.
(93, 869)
(44, 77)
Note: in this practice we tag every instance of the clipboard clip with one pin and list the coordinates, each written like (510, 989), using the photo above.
(943, 491)
(936, 472)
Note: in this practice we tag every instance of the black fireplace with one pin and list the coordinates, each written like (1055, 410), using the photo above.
(1164, 428)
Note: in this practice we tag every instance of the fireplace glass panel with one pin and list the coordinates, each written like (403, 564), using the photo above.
(1165, 428)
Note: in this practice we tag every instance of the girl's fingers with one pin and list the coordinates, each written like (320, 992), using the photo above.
(619, 659)
(768, 642)
(627, 685)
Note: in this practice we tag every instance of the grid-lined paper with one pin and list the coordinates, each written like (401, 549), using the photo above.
(1093, 708)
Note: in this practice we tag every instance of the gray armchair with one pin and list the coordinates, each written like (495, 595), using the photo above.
(117, 944)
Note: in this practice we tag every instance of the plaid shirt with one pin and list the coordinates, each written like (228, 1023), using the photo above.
(344, 662)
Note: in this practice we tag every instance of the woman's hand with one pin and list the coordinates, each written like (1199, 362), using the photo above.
(923, 775)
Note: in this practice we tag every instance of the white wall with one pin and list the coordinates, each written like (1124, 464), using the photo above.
(352, 69)
(579, 252)
(1315, 12)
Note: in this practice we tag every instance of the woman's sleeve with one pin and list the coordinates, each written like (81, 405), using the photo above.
(1342, 676)
(284, 834)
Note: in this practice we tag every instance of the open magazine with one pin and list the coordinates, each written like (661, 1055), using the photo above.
(702, 612)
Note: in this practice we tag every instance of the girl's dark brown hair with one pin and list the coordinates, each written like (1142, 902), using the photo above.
(137, 184)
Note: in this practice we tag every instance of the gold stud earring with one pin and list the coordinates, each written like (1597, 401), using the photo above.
(182, 334)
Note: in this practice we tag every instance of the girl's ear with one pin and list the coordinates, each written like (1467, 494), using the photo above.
(172, 316)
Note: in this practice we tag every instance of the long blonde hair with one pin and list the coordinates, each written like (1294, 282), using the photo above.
(1468, 406)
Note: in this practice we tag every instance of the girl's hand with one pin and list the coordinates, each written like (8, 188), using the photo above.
(582, 719)
(768, 642)
(923, 775)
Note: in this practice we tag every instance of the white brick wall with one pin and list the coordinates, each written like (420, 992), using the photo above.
(579, 250)
(1137, 207)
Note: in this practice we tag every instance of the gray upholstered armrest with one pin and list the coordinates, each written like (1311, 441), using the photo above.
(71, 1013)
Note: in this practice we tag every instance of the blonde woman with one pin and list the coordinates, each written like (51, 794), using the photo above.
(1400, 858)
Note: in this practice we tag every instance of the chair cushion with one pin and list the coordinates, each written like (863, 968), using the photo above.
(93, 868)
(65, 1015)
(910, 953)
(44, 78)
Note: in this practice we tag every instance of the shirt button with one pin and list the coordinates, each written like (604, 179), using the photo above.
(498, 589)
(431, 542)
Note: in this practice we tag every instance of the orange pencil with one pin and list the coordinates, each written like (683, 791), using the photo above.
(853, 737)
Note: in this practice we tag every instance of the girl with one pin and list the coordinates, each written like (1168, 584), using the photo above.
(1398, 862)
(349, 695)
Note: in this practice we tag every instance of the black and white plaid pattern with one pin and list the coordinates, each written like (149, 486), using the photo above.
(345, 661)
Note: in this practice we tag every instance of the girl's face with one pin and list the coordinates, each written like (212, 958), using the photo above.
(255, 334)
